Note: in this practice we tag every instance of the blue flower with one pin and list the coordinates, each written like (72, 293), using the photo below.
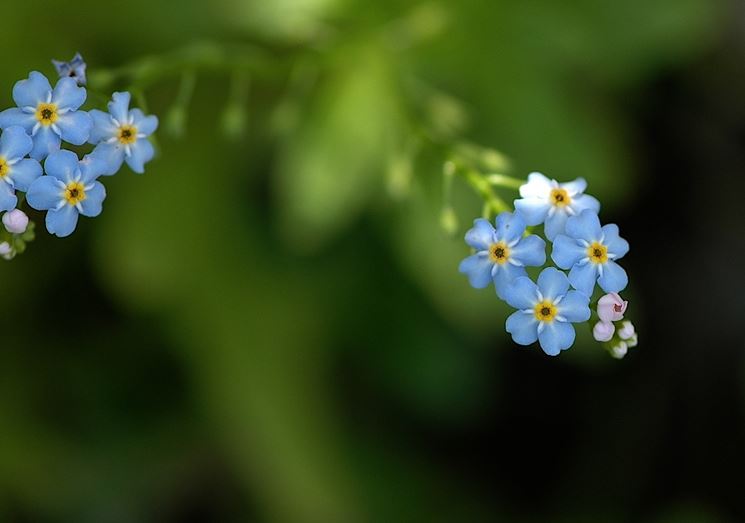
(545, 311)
(121, 135)
(75, 69)
(50, 116)
(548, 201)
(16, 172)
(501, 253)
(590, 252)
(69, 189)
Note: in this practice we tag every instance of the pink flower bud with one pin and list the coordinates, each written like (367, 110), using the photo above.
(611, 307)
(5, 249)
(15, 221)
(626, 331)
(603, 331)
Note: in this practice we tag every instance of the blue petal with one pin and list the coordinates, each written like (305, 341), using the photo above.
(103, 128)
(93, 203)
(46, 142)
(583, 277)
(15, 143)
(538, 186)
(45, 193)
(119, 106)
(530, 251)
(8, 199)
(556, 224)
(504, 275)
(616, 245)
(75, 127)
(62, 165)
(68, 95)
(478, 269)
(552, 283)
(567, 251)
(510, 227)
(521, 294)
(91, 167)
(583, 202)
(142, 152)
(575, 187)
(532, 210)
(24, 173)
(481, 236)
(575, 307)
(111, 155)
(614, 278)
(556, 337)
(62, 222)
(584, 226)
(30, 92)
(145, 124)
(523, 326)
(15, 116)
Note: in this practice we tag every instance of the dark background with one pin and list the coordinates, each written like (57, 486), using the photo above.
(270, 326)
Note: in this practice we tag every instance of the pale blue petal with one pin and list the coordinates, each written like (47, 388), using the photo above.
(24, 173)
(530, 251)
(46, 142)
(575, 307)
(523, 326)
(142, 152)
(478, 269)
(556, 224)
(552, 283)
(521, 294)
(62, 165)
(575, 187)
(583, 277)
(15, 116)
(510, 227)
(481, 236)
(45, 193)
(91, 167)
(68, 95)
(103, 128)
(583, 202)
(532, 210)
(504, 275)
(616, 245)
(15, 143)
(75, 127)
(538, 186)
(556, 337)
(614, 278)
(145, 124)
(8, 199)
(62, 222)
(111, 155)
(567, 251)
(32, 91)
(584, 226)
(119, 106)
(93, 203)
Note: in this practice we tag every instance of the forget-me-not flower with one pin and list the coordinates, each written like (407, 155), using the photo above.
(75, 68)
(590, 252)
(49, 115)
(547, 201)
(121, 135)
(69, 189)
(501, 253)
(546, 311)
(16, 171)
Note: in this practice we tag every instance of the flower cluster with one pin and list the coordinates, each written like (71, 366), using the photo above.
(584, 252)
(35, 160)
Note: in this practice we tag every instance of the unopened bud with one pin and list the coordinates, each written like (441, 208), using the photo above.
(626, 330)
(619, 350)
(15, 221)
(603, 331)
(611, 307)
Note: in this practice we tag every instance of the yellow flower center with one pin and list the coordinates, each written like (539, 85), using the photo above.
(46, 114)
(499, 253)
(545, 311)
(74, 193)
(560, 197)
(127, 134)
(4, 168)
(597, 252)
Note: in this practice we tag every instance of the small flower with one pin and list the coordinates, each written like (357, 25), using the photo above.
(50, 116)
(611, 307)
(590, 252)
(546, 311)
(15, 221)
(16, 172)
(626, 331)
(121, 135)
(619, 350)
(69, 189)
(548, 201)
(501, 253)
(75, 69)
(603, 331)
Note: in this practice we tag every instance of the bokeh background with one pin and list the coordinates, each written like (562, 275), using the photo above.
(269, 324)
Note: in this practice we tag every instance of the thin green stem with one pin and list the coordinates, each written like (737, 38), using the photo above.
(502, 180)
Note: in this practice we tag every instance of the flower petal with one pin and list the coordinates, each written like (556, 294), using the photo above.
(142, 152)
(111, 155)
(93, 203)
(119, 106)
(521, 293)
(530, 251)
(614, 278)
(575, 187)
(91, 167)
(46, 141)
(582, 202)
(556, 337)
(567, 251)
(15, 116)
(15, 143)
(478, 269)
(532, 210)
(504, 275)
(62, 222)
(616, 245)
(575, 307)
(523, 326)
(24, 173)
(68, 95)
(509, 227)
(556, 224)
(481, 236)
(62, 165)
(538, 186)
(552, 283)
(8, 198)
(45, 193)
(584, 226)
(145, 124)
(583, 277)
(103, 127)
(75, 127)
(31, 91)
